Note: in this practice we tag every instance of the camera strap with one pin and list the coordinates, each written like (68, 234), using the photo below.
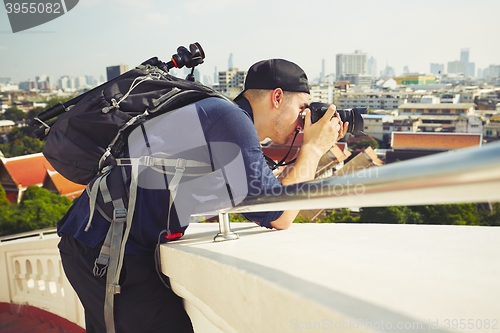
(273, 165)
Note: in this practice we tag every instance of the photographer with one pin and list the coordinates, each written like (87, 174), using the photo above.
(271, 106)
(276, 94)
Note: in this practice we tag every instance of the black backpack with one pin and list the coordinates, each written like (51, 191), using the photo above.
(89, 136)
(91, 130)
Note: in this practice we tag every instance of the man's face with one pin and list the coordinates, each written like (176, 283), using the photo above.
(289, 117)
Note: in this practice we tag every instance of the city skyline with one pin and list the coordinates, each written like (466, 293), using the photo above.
(99, 33)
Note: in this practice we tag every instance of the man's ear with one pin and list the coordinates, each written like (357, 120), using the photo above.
(277, 97)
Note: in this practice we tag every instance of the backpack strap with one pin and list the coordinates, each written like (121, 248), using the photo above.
(112, 251)
(110, 259)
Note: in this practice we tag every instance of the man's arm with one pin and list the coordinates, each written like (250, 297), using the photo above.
(318, 138)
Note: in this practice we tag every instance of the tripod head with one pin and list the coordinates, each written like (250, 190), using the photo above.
(187, 58)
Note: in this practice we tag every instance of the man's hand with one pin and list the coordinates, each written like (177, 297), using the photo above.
(323, 134)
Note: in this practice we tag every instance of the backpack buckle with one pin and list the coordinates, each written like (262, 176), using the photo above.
(180, 165)
(120, 215)
(148, 161)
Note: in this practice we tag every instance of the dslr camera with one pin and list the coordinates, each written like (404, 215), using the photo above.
(353, 116)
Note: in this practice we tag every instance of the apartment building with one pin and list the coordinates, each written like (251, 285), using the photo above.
(231, 82)
(491, 130)
(445, 109)
(379, 100)
(350, 63)
(373, 125)
(381, 126)
(323, 93)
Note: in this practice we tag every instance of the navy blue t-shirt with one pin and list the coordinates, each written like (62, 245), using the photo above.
(230, 142)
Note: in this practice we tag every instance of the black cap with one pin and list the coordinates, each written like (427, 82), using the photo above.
(276, 73)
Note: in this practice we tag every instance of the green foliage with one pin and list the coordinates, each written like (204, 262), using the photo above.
(340, 216)
(364, 144)
(38, 209)
(21, 142)
(4, 202)
(491, 218)
(450, 214)
(55, 100)
(394, 215)
(301, 219)
(237, 218)
(459, 214)
(14, 114)
(33, 112)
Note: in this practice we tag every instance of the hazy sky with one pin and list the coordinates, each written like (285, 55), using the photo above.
(100, 33)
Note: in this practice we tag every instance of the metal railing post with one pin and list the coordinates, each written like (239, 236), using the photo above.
(225, 232)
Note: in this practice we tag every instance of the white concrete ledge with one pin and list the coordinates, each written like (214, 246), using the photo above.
(339, 277)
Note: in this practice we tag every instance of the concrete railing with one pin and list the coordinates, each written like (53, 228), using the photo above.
(31, 274)
(319, 277)
(355, 277)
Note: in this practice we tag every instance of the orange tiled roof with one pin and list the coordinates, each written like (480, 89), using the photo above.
(27, 170)
(407, 140)
(62, 185)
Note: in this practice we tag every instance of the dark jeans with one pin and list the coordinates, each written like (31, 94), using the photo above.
(145, 304)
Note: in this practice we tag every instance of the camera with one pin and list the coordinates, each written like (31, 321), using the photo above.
(353, 116)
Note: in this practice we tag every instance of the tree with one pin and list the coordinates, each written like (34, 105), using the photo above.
(19, 144)
(4, 202)
(490, 218)
(14, 114)
(449, 214)
(396, 215)
(5, 213)
(364, 144)
(55, 100)
(340, 216)
(39, 208)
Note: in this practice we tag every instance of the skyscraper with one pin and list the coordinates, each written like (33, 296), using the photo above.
(115, 71)
(456, 67)
(372, 66)
(350, 63)
(470, 67)
(437, 69)
(322, 74)
(464, 55)
(230, 62)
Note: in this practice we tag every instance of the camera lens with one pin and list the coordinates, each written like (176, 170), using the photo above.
(353, 116)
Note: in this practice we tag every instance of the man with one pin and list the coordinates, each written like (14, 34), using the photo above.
(212, 131)
(276, 94)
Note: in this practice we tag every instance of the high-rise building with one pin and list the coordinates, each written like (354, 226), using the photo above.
(28, 85)
(469, 68)
(231, 82)
(230, 64)
(437, 69)
(388, 72)
(372, 67)
(493, 71)
(456, 67)
(66, 83)
(90, 80)
(322, 74)
(464, 55)
(350, 63)
(115, 71)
